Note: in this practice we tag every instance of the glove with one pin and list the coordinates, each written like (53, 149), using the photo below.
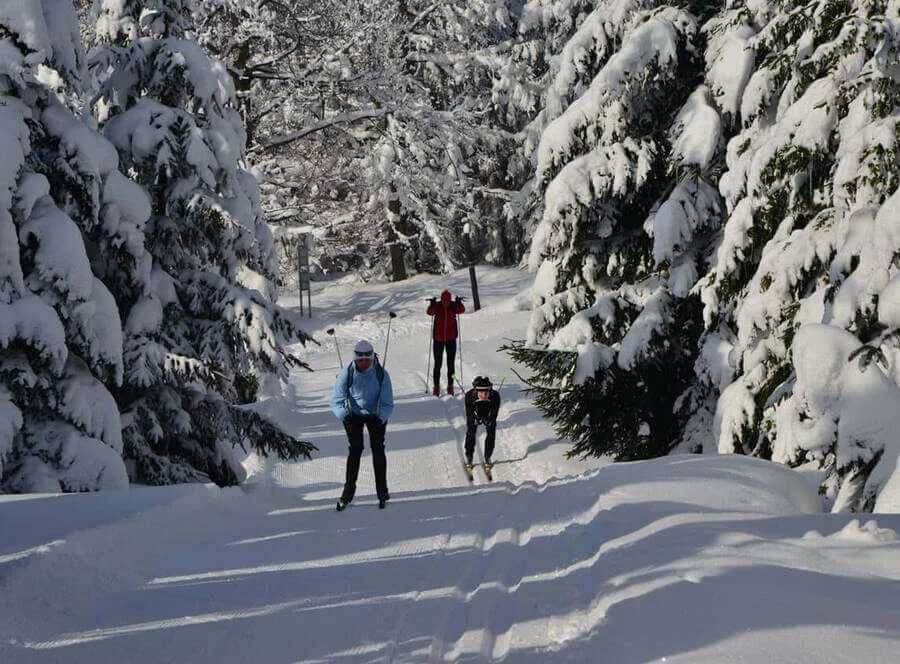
(347, 419)
(459, 299)
(432, 300)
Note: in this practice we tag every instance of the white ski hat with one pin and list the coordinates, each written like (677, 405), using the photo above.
(363, 349)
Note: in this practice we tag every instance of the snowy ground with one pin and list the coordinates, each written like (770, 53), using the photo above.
(683, 559)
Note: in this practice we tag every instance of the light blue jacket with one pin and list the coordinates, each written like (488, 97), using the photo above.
(363, 396)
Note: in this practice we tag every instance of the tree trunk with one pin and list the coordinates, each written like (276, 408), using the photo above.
(398, 261)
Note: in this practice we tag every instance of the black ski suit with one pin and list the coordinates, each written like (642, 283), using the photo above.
(481, 411)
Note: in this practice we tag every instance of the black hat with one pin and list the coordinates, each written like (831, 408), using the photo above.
(482, 382)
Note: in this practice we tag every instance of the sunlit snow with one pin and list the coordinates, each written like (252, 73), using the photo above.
(713, 558)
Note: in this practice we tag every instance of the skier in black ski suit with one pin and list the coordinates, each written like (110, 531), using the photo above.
(482, 406)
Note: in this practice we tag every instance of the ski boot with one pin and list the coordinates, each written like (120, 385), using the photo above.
(450, 389)
(342, 504)
(436, 391)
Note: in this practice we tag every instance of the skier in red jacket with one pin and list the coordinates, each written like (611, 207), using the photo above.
(444, 334)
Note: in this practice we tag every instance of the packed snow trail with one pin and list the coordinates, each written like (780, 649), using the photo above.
(687, 559)
(425, 435)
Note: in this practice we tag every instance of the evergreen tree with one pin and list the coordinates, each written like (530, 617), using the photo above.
(625, 169)
(811, 193)
(774, 335)
(208, 335)
(62, 204)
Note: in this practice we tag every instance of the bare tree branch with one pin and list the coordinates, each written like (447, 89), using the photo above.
(342, 118)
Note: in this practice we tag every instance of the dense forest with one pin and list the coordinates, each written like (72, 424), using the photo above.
(706, 194)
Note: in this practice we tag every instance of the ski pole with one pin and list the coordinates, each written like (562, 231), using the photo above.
(391, 316)
(459, 340)
(429, 350)
(330, 332)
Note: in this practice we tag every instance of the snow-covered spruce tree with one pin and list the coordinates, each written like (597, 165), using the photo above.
(64, 209)
(210, 335)
(802, 293)
(626, 167)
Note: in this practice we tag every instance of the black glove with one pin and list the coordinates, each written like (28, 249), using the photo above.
(432, 300)
(459, 299)
(347, 419)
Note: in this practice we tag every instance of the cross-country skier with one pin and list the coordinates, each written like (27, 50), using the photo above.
(444, 334)
(363, 397)
(482, 406)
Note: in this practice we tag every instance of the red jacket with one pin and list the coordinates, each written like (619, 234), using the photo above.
(445, 321)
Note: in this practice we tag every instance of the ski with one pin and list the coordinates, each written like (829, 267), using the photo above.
(342, 505)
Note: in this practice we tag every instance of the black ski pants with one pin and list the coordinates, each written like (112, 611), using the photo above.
(354, 425)
(490, 427)
(439, 347)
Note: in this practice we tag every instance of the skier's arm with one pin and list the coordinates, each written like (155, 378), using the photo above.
(387, 399)
(460, 307)
(495, 407)
(470, 405)
(339, 396)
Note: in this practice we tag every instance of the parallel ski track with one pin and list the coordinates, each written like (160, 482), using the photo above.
(452, 624)
(490, 572)
(480, 544)
(460, 442)
(495, 612)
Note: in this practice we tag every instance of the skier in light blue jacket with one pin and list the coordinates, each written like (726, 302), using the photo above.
(363, 398)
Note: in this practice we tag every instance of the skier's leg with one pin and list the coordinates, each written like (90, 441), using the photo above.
(451, 361)
(379, 460)
(354, 429)
(470, 437)
(489, 441)
(438, 350)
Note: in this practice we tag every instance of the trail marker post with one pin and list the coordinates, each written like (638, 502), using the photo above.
(303, 273)
(476, 303)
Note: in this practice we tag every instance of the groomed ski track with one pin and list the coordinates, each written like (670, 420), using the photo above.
(472, 535)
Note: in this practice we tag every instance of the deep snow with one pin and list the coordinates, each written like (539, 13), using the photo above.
(682, 559)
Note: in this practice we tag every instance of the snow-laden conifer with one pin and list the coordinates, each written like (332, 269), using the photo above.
(805, 96)
(209, 336)
(60, 332)
(625, 165)
(810, 191)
